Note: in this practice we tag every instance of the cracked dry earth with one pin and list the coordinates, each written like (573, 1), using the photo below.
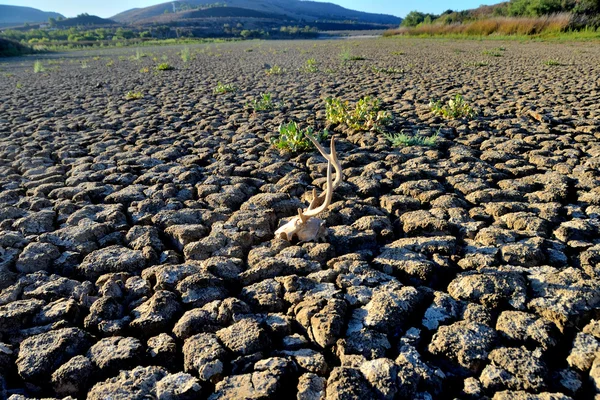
(137, 254)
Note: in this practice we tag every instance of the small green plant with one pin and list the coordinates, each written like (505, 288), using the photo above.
(497, 52)
(311, 66)
(227, 88)
(186, 55)
(38, 67)
(263, 103)
(275, 70)
(84, 64)
(133, 95)
(453, 109)
(293, 139)
(346, 55)
(110, 63)
(366, 115)
(401, 139)
(388, 71)
(145, 70)
(164, 67)
(552, 63)
(19, 85)
(139, 54)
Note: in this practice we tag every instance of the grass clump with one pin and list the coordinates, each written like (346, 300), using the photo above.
(366, 115)
(293, 139)
(263, 103)
(311, 66)
(133, 95)
(454, 108)
(222, 89)
(186, 54)
(275, 70)
(164, 67)
(401, 139)
(38, 67)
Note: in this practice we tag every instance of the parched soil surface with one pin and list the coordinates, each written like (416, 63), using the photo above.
(137, 255)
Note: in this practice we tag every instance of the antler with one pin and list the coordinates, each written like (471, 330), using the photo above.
(331, 158)
(311, 211)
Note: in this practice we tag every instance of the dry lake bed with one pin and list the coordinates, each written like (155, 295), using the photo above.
(138, 209)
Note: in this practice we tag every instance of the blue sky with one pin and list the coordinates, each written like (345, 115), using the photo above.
(108, 8)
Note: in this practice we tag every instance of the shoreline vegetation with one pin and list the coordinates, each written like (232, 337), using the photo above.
(516, 19)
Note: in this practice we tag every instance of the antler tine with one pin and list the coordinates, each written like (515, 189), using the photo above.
(332, 158)
(310, 212)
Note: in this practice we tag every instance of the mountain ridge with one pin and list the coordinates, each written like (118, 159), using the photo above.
(294, 9)
(19, 15)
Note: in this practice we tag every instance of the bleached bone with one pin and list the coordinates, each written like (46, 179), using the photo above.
(305, 226)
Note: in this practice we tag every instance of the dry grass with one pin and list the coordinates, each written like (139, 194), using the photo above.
(492, 26)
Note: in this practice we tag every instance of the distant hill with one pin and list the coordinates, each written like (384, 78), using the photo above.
(84, 19)
(16, 15)
(305, 11)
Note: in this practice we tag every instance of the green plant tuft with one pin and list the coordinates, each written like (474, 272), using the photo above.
(227, 88)
(164, 67)
(401, 139)
(388, 71)
(366, 115)
(133, 95)
(311, 66)
(275, 70)
(453, 109)
(552, 63)
(186, 54)
(38, 67)
(264, 103)
(293, 139)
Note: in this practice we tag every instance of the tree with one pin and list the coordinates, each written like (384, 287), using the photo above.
(52, 22)
(413, 18)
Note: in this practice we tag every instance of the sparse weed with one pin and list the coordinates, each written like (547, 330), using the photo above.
(275, 70)
(497, 52)
(84, 64)
(222, 89)
(346, 55)
(38, 67)
(366, 115)
(311, 66)
(19, 85)
(145, 70)
(186, 55)
(164, 67)
(453, 109)
(110, 63)
(293, 139)
(139, 54)
(552, 63)
(264, 103)
(133, 95)
(401, 139)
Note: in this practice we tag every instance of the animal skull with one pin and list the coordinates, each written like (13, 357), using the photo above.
(305, 226)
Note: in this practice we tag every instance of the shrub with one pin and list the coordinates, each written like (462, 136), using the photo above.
(133, 95)
(38, 67)
(453, 109)
(401, 139)
(227, 88)
(293, 139)
(164, 67)
(275, 70)
(366, 115)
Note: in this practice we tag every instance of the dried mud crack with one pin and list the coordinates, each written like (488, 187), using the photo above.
(137, 257)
